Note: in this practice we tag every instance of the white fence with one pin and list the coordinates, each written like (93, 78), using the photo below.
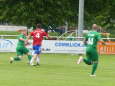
(11, 28)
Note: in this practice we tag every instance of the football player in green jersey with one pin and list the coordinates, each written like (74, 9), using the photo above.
(91, 40)
(21, 47)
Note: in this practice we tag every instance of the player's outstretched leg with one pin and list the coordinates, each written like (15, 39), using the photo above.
(32, 61)
(94, 68)
(87, 61)
(38, 60)
(29, 57)
(16, 58)
(80, 60)
(26, 51)
(11, 59)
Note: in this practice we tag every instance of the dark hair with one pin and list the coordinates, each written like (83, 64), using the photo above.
(38, 26)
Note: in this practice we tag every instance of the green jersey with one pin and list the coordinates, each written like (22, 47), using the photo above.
(21, 42)
(92, 38)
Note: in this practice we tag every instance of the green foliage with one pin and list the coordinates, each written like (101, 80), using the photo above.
(100, 12)
(30, 12)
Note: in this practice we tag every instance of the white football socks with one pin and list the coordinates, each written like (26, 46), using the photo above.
(32, 61)
(38, 60)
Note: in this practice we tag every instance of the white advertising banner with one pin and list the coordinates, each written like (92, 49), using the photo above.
(48, 46)
(57, 46)
(8, 45)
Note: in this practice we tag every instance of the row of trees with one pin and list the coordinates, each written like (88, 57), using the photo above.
(29, 12)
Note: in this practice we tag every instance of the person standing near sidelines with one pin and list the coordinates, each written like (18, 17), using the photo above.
(38, 35)
(91, 41)
(21, 47)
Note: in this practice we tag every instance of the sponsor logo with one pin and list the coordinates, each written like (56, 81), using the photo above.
(6, 43)
(69, 44)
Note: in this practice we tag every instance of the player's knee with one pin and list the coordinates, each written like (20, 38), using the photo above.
(90, 63)
(95, 62)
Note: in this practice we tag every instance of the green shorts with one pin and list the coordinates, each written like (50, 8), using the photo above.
(92, 54)
(20, 50)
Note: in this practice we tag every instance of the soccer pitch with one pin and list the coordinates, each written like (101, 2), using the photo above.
(56, 70)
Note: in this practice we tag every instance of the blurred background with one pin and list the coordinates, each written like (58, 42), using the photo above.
(57, 16)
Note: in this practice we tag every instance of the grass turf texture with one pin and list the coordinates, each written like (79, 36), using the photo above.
(56, 70)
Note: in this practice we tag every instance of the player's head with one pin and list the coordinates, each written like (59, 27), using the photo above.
(38, 26)
(95, 27)
(23, 31)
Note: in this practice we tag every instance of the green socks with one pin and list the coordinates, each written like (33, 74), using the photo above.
(94, 68)
(29, 57)
(17, 58)
(94, 65)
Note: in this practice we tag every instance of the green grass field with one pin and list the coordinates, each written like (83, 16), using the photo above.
(56, 70)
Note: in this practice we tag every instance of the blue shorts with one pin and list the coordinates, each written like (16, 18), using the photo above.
(37, 49)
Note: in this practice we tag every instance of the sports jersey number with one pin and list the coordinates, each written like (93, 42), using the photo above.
(37, 35)
(90, 41)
